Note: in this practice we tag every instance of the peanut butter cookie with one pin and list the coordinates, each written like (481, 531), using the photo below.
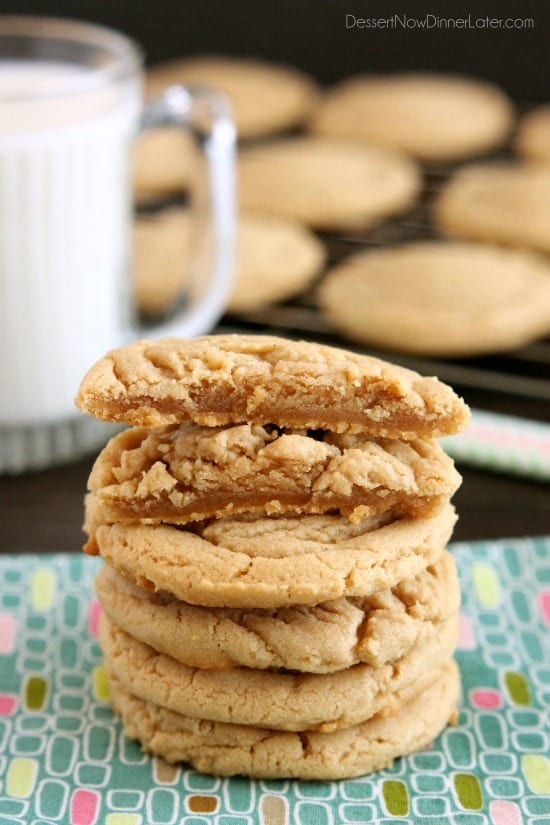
(275, 260)
(440, 298)
(504, 203)
(163, 163)
(232, 379)
(282, 701)
(326, 184)
(265, 98)
(189, 473)
(433, 117)
(271, 562)
(227, 749)
(322, 638)
(533, 135)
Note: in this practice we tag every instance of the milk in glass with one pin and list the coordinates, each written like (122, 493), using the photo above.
(64, 221)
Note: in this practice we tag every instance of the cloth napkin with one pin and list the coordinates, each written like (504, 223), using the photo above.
(64, 759)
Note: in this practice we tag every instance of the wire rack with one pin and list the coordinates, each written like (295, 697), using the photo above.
(515, 382)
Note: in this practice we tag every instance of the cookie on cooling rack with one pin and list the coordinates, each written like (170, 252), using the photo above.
(327, 184)
(433, 117)
(440, 298)
(503, 203)
(533, 135)
(265, 98)
(276, 258)
(163, 163)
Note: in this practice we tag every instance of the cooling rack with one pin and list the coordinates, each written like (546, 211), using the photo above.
(516, 382)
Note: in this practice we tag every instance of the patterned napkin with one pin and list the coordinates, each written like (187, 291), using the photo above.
(504, 444)
(64, 759)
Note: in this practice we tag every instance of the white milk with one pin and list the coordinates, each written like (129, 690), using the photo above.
(64, 224)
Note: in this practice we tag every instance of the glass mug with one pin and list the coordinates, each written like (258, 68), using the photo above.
(70, 105)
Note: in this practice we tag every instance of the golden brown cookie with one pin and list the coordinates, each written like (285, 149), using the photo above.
(275, 260)
(163, 163)
(326, 184)
(188, 473)
(232, 379)
(533, 135)
(265, 97)
(269, 563)
(226, 750)
(161, 252)
(263, 698)
(433, 117)
(321, 638)
(504, 203)
(440, 298)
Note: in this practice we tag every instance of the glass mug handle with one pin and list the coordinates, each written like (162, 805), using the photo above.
(205, 115)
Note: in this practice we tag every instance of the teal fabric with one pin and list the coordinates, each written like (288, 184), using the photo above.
(64, 759)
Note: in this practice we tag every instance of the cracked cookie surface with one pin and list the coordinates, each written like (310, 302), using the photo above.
(271, 562)
(297, 701)
(322, 638)
(190, 473)
(226, 749)
(232, 379)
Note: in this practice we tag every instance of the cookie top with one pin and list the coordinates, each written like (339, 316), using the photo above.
(189, 473)
(503, 203)
(163, 163)
(533, 135)
(275, 260)
(297, 701)
(160, 262)
(265, 98)
(224, 379)
(440, 298)
(433, 117)
(271, 562)
(225, 749)
(314, 639)
(327, 184)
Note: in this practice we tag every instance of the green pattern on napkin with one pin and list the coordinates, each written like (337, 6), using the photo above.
(64, 759)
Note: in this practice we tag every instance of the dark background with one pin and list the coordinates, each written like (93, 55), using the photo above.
(42, 511)
(312, 34)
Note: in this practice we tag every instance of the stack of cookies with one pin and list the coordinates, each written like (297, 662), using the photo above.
(278, 601)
